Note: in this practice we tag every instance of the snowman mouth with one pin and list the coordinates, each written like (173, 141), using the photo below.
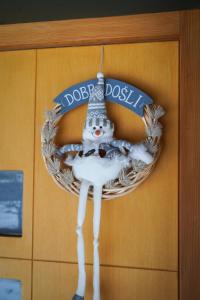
(98, 133)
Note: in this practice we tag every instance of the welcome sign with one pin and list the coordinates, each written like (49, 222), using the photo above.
(115, 91)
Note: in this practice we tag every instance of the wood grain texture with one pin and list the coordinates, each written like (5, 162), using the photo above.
(20, 270)
(58, 281)
(17, 101)
(190, 156)
(125, 29)
(140, 229)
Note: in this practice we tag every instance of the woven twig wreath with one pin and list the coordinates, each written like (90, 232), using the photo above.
(128, 179)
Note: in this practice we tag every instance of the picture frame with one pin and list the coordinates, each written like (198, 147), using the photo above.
(11, 199)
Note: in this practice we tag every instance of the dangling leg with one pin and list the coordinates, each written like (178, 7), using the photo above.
(96, 226)
(80, 292)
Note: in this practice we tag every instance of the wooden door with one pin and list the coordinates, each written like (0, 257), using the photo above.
(139, 233)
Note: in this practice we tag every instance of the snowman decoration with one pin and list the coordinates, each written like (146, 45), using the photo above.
(99, 159)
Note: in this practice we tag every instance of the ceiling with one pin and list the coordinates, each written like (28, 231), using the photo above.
(21, 11)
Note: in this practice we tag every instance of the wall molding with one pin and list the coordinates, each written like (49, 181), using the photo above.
(108, 30)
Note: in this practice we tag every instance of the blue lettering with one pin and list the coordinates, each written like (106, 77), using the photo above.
(69, 101)
(117, 87)
(90, 88)
(108, 89)
(84, 93)
(76, 92)
(131, 92)
(137, 101)
(123, 91)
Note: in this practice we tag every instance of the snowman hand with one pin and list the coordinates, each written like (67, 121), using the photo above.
(139, 152)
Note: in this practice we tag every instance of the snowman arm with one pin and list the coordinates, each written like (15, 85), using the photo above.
(122, 144)
(138, 151)
(69, 148)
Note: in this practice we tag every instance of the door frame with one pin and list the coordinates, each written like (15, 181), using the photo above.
(182, 26)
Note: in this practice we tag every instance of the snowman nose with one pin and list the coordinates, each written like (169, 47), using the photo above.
(97, 132)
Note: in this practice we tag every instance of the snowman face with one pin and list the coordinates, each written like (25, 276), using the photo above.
(98, 133)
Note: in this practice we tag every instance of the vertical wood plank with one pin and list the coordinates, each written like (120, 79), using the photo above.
(189, 155)
(17, 104)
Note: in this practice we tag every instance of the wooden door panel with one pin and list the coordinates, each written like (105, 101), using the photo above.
(17, 98)
(139, 229)
(58, 281)
(20, 270)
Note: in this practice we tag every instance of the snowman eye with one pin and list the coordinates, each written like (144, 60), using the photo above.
(101, 127)
(94, 127)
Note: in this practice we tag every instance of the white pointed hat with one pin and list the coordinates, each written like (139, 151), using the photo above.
(97, 114)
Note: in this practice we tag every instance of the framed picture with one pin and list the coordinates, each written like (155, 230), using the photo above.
(10, 289)
(11, 194)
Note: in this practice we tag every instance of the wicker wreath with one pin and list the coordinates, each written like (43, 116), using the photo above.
(128, 179)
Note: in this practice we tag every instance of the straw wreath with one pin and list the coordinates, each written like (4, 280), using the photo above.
(128, 179)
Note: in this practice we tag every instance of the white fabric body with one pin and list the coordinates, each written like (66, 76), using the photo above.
(98, 170)
(80, 241)
(96, 226)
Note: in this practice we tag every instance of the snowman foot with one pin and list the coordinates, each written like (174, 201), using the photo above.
(76, 297)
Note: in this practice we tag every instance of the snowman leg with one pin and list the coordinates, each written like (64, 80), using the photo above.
(96, 226)
(80, 292)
